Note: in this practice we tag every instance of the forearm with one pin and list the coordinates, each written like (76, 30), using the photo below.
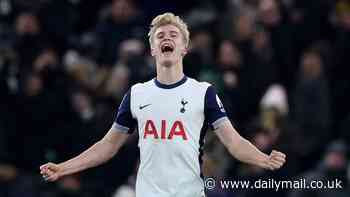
(239, 147)
(246, 152)
(97, 154)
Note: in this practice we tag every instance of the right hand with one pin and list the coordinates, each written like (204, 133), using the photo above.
(51, 172)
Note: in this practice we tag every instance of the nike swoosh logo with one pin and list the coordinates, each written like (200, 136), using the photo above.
(143, 106)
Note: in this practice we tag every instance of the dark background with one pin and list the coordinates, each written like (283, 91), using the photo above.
(280, 67)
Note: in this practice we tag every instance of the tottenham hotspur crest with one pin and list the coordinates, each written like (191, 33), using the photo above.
(183, 103)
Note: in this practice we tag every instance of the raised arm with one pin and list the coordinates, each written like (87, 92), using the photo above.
(97, 154)
(245, 151)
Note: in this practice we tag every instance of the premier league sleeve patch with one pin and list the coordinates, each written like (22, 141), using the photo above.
(221, 106)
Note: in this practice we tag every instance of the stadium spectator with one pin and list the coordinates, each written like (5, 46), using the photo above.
(333, 167)
(123, 21)
(312, 104)
(64, 66)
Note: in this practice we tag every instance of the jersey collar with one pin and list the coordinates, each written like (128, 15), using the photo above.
(174, 85)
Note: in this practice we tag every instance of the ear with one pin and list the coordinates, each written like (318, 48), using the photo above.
(184, 51)
(152, 51)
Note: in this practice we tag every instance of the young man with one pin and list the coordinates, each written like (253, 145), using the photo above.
(172, 113)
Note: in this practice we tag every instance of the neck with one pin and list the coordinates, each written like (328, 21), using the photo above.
(170, 74)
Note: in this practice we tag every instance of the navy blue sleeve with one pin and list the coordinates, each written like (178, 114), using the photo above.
(213, 108)
(124, 121)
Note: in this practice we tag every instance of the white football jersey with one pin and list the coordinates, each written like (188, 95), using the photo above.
(171, 121)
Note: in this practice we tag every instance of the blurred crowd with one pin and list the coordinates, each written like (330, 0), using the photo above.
(280, 66)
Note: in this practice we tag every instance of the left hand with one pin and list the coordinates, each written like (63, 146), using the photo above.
(275, 160)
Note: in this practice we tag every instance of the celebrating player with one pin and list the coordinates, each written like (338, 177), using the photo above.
(172, 113)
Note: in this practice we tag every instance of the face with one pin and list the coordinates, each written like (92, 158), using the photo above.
(335, 160)
(122, 10)
(27, 23)
(270, 12)
(168, 45)
(311, 65)
(34, 85)
(229, 55)
(80, 101)
(244, 27)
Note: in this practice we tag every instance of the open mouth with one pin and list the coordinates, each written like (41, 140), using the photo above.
(167, 48)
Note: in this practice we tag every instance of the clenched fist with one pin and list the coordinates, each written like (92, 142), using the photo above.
(51, 172)
(275, 160)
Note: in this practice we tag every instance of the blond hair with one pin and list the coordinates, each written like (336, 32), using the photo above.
(169, 18)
